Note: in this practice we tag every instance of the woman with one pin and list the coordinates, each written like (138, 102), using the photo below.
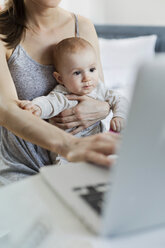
(28, 30)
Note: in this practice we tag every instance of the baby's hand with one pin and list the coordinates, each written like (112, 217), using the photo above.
(28, 105)
(117, 124)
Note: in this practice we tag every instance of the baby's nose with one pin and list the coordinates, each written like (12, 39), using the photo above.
(86, 77)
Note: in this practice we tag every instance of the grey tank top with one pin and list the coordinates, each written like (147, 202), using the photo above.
(21, 158)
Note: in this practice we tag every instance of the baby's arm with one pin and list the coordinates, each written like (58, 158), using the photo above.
(48, 106)
(119, 107)
(53, 104)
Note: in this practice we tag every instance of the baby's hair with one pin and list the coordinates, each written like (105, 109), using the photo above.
(69, 45)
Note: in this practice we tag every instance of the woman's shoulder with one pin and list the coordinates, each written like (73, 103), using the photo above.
(3, 47)
(87, 30)
(85, 25)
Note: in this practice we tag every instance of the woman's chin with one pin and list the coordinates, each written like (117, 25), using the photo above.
(48, 3)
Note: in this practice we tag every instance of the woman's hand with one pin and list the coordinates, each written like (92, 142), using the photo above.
(86, 113)
(94, 149)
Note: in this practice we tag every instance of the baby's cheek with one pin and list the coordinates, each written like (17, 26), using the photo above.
(77, 89)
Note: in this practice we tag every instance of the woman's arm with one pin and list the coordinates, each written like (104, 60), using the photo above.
(18, 121)
(88, 111)
(31, 128)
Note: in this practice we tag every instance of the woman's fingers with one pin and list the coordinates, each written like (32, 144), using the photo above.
(94, 149)
(67, 112)
(91, 156)
(77, 130)
(75, 97)
(66, 116)
(106, 143)
(76, 124)
(67, 125)
(66, 119)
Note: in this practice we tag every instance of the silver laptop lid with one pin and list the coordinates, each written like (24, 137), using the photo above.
(137, 199)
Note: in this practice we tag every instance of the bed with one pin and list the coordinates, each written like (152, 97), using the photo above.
(122, 31)
(123, 49)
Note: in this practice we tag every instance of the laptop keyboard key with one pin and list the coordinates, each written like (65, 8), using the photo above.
(93, 195)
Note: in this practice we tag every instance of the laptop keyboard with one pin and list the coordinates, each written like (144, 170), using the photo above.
(93, 195)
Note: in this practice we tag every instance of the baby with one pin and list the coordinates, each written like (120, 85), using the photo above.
(76, 71)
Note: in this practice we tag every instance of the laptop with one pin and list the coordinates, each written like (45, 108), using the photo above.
(129, 197)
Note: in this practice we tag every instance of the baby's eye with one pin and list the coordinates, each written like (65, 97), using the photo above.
(77, 73)
(92, 69)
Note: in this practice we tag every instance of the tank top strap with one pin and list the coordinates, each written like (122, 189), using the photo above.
(76, 26)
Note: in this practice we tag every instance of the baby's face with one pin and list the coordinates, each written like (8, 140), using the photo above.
(79, 72)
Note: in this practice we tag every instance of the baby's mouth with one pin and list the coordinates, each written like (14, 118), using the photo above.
(87, 85)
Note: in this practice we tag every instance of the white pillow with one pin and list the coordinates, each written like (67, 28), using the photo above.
(120, 59)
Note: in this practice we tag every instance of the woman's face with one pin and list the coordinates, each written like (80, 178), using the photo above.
(45, 3)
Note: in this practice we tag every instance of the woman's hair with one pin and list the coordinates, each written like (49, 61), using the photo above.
(12, 22)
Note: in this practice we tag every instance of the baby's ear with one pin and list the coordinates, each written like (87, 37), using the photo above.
(57, 77)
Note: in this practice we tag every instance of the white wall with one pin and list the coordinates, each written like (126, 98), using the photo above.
(142, 12)
(93, 9)
(1, 2)
(135, 12)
